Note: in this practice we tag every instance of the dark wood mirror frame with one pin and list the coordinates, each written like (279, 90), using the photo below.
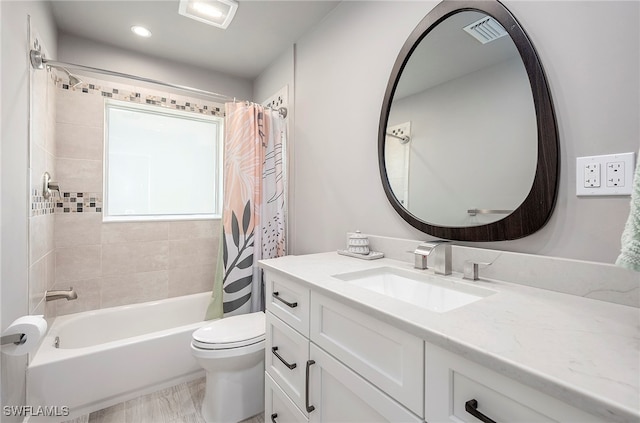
(535, 210)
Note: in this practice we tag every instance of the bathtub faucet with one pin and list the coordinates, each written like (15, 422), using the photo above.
(59, 294)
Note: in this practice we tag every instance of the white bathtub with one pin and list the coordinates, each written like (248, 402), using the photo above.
(115, 354)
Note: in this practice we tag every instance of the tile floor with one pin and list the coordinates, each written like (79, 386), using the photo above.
(178, 404)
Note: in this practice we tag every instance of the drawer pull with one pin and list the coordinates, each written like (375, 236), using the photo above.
(471, 407)
(310, 408)
(290, 366)
(276, 295)
(273, 417)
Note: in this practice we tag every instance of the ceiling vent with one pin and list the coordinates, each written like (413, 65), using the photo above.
(486, 30)
(212, 12)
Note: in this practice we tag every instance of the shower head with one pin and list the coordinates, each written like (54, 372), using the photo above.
(74, 81)
(38, 61)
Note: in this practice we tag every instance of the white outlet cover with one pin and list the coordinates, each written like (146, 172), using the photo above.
(624, 187)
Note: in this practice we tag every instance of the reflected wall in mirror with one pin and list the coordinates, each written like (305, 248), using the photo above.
(477, 160)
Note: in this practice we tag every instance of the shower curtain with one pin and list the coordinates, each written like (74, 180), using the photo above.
(253, 216)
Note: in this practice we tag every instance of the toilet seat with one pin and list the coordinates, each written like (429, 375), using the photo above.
(231, 332)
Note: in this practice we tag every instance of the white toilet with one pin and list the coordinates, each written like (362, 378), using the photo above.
(231, 350)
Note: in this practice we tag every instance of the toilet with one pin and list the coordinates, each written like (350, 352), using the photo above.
(231, 350)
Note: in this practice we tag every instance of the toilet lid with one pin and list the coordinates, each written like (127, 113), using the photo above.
(231, 332)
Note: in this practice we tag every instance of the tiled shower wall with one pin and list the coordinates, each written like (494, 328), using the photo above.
(42, 158)
(117, 263)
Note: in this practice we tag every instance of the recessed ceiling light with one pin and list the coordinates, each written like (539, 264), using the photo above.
(141, 31)
(212, 12)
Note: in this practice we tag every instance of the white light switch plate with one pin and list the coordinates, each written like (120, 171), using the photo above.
(610, 174)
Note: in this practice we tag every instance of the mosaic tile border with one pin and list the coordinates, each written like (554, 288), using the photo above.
(79, 202)
(41, 206)
(143, 96)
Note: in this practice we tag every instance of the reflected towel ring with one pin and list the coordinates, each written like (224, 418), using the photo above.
(403, 139)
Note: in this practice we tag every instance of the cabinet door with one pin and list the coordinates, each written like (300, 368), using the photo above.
(452, 384)
(386, 356)
(286, 354)
(278, 408)
(289, 300)
(337, 394)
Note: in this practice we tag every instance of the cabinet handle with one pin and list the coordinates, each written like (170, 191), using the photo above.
(273, 417)
(310, 408)
(471, 407)
(290, 366)
(277, 297)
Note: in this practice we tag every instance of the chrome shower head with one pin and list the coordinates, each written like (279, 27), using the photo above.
(74, 81)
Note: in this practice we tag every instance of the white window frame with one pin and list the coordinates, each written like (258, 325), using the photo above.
(151, 109)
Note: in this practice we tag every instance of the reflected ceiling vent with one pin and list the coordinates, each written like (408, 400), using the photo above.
(486, 30)
(213, 12)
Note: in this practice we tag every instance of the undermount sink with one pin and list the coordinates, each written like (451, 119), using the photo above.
(435, 293)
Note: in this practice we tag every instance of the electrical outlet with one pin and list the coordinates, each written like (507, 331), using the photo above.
(615, 174)
(592, 175)
(616, 169)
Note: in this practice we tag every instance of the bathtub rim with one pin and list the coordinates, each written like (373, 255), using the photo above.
(47, 353)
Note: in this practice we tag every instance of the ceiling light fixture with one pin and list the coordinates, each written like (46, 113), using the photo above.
(212, 12)
(207, 9)
(141, 31)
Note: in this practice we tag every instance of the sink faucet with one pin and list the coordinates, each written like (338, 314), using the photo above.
(69, 294)
(436, 252)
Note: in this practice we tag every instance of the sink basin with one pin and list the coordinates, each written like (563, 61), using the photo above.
(435, 293)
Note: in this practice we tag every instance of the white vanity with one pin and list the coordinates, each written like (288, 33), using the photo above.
(339, 351)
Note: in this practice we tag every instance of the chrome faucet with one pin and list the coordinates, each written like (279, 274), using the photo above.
(438, 253)
(59, 294)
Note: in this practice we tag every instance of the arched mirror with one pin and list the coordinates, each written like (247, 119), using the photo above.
(467, 139)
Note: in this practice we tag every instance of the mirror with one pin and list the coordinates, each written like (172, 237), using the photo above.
(467, 139)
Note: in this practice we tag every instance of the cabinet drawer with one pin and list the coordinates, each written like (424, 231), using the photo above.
(288, 300)
(451, 381)
(387, 357)
(278, 408)
(337, 394)
(286, 354)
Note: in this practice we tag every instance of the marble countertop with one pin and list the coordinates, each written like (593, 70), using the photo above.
(581, 351)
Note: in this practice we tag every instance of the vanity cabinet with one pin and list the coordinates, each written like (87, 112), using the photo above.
(326, 362)
(456, 388)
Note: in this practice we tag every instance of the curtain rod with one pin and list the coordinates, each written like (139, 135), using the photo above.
(38, 61)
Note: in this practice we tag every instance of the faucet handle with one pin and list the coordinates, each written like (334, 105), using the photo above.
(470, 269)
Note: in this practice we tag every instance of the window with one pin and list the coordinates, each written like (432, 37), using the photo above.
(161, 164)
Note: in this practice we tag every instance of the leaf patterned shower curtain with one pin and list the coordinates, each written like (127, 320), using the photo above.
(253, 216)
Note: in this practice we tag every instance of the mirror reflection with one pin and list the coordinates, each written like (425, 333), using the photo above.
(461, 145)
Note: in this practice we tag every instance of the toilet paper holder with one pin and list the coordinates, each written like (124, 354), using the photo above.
(16, 338)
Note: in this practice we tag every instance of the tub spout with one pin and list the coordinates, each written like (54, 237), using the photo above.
(59, 294)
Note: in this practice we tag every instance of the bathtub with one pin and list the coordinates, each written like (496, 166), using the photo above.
(115, 354)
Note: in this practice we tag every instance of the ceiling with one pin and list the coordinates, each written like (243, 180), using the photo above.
(260, 31)
(435, 62)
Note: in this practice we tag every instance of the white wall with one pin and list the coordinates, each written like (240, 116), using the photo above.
(342, 69)
(14, 173)
(278, 74)
(86, 52)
